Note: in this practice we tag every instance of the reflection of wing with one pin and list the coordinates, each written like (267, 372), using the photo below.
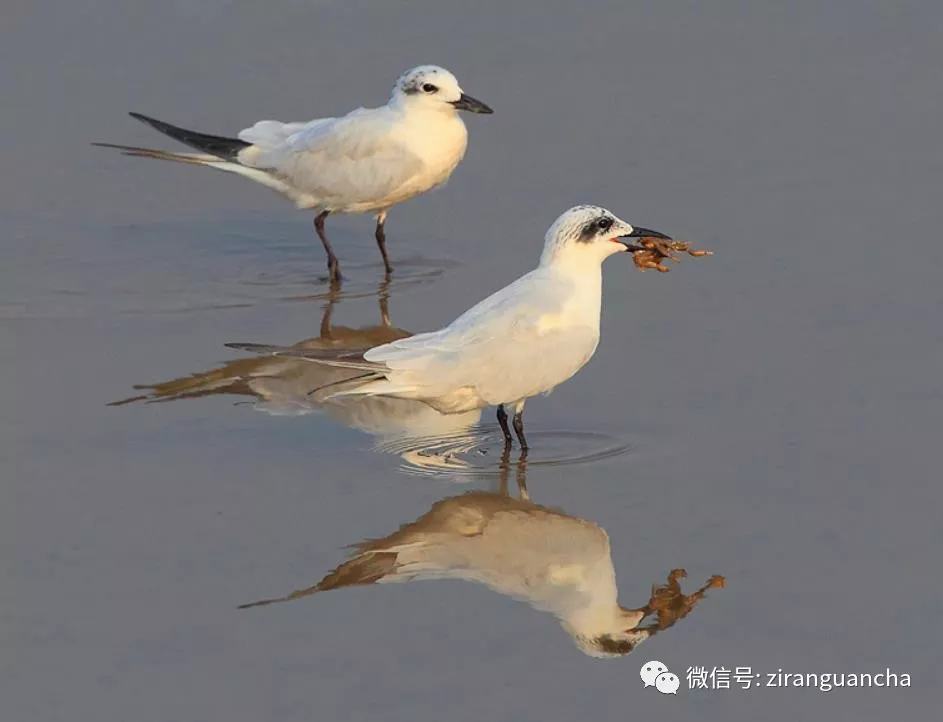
(556, 562)
(285, 383)
(277, 367)
(235, 377)
(350, 160)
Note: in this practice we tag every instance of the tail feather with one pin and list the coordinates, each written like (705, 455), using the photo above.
(339, 358)
(216, 145)
(139, 152)
(211, 160)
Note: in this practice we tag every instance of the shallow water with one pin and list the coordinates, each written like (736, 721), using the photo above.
(771, 413)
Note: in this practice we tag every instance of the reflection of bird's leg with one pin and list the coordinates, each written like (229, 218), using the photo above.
(503, 420)
(522, 476)
(504, 466)
(383, 293)
(519, 426)
(326, 320)
(333, 265)
(332, 298)
(381, 242)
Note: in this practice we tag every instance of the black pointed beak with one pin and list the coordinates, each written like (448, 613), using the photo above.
(466, 102)
(639, 232)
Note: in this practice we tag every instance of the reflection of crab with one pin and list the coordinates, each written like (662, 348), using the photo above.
(670, 604)
(658, 249)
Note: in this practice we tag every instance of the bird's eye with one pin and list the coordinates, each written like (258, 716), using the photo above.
(604, 224)
(429, 88)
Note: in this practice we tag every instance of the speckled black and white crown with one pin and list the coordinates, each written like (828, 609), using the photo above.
(412, 81)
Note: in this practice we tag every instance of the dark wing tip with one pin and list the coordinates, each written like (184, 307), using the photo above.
(220, 146)
(153, 122)
(143, 118)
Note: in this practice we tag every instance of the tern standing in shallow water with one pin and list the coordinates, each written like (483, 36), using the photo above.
(364, 162)
(522, 341)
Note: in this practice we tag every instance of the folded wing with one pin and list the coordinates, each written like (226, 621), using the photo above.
(338, 162)
(505, 347)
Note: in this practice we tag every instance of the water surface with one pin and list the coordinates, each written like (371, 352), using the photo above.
(778, 406)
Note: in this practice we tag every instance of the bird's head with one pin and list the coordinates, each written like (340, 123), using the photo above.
(430, 87)
(589, 235)
(618, 641)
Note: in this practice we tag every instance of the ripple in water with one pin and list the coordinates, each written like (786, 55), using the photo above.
(189, 267)
(474, 453)
(360, 280)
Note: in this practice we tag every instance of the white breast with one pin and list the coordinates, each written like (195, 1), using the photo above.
(439, 140)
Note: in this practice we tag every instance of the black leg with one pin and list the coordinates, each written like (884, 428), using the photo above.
(333, 265)
(381, 243)
(519, 429)
(503, 420)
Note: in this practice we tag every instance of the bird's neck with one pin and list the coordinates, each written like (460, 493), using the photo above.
(575, 258)
(595, 610)
(584, 276)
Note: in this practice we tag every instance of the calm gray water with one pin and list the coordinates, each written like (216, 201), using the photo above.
(775, 411)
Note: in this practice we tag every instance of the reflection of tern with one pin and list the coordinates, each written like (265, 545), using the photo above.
(521, 341)
(284, 385)
(364, 162)
(556, 562)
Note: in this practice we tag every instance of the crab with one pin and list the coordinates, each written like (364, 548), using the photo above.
(656, 250)
(670, 605)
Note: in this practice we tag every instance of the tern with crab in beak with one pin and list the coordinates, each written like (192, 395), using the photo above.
(522, 341)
